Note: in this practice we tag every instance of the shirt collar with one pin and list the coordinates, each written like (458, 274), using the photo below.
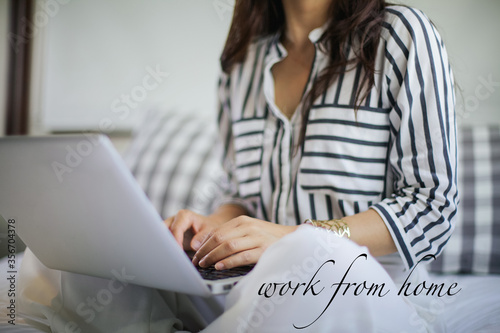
(277, 51)
(316, 34)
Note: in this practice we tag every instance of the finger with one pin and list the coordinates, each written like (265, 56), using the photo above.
(186, 242)
(200, 238)
(243, 258)
(228, 248)
(203, 232)
(217, 237)
(169, 221)
(182, 222)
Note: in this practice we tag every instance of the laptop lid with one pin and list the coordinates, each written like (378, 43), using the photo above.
(79, 209)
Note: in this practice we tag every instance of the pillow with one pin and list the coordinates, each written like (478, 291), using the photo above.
(174, 159)
(475, 244)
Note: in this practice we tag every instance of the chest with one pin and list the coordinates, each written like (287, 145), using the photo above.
(291, 76)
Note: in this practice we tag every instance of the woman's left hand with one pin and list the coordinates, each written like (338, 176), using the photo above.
(239, 242)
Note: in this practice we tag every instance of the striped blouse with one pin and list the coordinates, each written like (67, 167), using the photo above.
(396, 154)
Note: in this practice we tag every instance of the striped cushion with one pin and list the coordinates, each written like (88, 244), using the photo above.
(475, 244)
(173, 158)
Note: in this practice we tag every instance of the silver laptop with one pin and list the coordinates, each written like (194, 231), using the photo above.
(79, 209)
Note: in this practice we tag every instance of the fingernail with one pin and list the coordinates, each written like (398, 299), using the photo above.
(202, 262)
(219, 266)
(196, 245)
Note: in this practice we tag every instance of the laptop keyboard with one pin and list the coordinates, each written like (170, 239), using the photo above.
(210, 273)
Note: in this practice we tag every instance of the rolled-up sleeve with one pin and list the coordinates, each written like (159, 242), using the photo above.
(423, 146)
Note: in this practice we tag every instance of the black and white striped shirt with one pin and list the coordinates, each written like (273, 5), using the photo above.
(396, 154)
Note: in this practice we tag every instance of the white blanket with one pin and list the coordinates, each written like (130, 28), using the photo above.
(476, 308)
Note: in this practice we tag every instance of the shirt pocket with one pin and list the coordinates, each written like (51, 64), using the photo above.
(345, 153)
(248, 141)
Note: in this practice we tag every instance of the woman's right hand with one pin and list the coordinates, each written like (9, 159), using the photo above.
(191, 229)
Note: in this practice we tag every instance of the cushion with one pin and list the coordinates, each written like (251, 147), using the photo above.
(174, 159)
(475, 244)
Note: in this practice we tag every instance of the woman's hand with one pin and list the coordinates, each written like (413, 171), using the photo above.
(240, 241)
(191, 229)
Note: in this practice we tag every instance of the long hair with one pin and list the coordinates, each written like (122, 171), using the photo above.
(352, 23)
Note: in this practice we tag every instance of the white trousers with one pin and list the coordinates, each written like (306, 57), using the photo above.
(309, 281)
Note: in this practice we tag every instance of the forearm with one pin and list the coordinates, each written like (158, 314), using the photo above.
(227, 212)
(368, 229)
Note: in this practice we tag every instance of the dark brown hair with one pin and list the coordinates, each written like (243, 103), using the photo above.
(352, 23)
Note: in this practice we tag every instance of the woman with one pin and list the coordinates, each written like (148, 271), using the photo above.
(334, 110)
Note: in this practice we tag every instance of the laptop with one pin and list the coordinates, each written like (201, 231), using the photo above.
(79, 209)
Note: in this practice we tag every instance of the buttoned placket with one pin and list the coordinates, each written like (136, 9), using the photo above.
(286, 143)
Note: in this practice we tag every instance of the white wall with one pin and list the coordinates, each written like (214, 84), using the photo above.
(470, 29)
(4, 45)
(100, 50)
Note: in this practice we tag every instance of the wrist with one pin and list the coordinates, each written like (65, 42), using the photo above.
(338, 227)
(226, 213)
(286, 229)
